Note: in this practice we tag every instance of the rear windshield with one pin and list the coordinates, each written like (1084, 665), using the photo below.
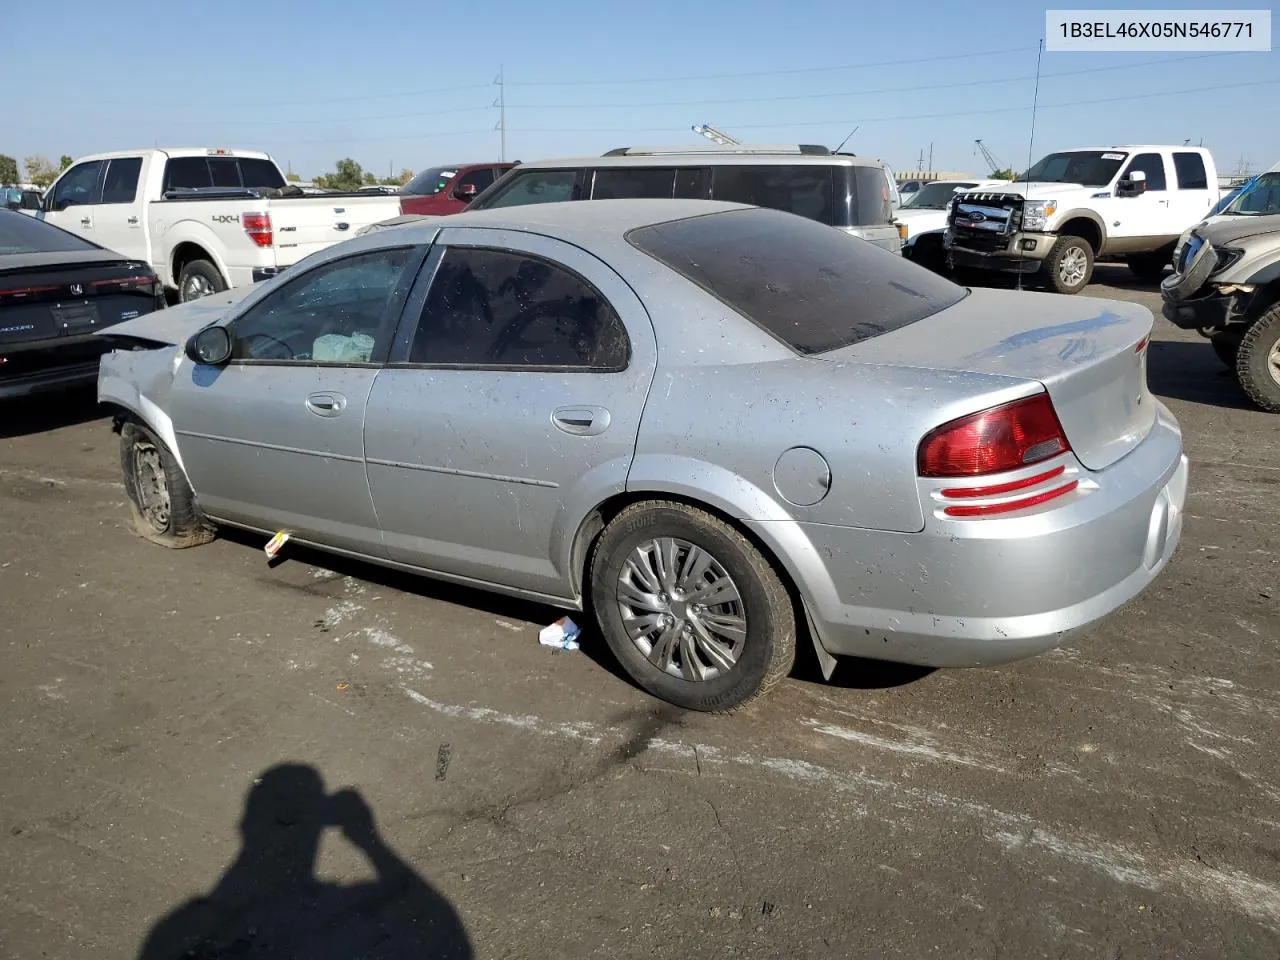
(22, 234)
(814, 288)
(430, 182)
(189, 173)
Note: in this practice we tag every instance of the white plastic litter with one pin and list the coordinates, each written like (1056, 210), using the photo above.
(563, 634)
(335, 348)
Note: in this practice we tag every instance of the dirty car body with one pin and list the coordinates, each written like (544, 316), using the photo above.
(937, 476)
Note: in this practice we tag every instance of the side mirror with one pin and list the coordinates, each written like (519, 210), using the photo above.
(212, 346)
(465, 192)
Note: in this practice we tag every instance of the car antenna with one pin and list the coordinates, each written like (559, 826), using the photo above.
(846, 139)
(1035, 100)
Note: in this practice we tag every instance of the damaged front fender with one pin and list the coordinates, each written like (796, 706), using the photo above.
(140, 382)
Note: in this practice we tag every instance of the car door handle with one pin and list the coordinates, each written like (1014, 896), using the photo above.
(85, 221)
(326, 404)
(133, 221)
(582, 421)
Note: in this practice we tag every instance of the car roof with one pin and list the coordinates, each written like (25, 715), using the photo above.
(569, 220)
(696, 158)
(176, 153)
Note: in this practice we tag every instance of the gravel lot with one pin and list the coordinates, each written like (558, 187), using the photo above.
(1117, 798)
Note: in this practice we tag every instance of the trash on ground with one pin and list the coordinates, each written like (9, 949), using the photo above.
(563, 634)
(275, 543)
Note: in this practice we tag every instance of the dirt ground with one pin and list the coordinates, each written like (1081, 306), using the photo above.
(177, 728)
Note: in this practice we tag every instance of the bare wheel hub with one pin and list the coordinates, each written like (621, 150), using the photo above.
(152, 485)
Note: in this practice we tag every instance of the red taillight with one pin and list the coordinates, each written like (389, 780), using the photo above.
(25, 291)
(125, 282)
(258, 227)
(1142, 345)
(1007, 437)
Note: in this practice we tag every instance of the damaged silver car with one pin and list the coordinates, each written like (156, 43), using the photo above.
(1226, 286)
(717, 427)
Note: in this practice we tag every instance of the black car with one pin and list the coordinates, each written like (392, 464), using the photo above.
(56, 291)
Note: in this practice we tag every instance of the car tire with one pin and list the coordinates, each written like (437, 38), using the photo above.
(1258, 361)
(1226, 344)
(717, 677)
(1148, 266)
(161, 502)
(1069, 266)
(199, 278)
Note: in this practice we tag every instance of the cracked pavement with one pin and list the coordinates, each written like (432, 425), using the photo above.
(1116, 798)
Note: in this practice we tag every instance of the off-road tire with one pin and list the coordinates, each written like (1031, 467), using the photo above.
(1254, 369)
(199, 271)
(1062, 249)
(184, 525)
(769, 649)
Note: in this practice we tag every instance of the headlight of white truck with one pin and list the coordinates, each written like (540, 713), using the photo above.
(1036, 214)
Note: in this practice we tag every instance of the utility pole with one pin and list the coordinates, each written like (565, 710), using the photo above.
(930, 156)
(501, 104)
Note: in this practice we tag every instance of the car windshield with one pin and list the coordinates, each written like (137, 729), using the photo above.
(1091, 168)
(934, 196)
(1258, 198)
(430, 182)
(821, 289)
(22, 234)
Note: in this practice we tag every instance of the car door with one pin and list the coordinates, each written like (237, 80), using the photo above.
(509, 410)
(274, 439)
(1191, 200)
(118, 219)
(75, 198)
(1146, 214)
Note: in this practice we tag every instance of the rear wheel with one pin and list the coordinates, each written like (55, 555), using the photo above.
(161, 502)
(692, 610)
(199, 278)
(1258, 362)
(1069, 265)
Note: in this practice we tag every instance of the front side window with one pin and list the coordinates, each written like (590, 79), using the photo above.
(495, 308)
(80, 185)
(1152, 164)
(121, 182)
(811, 287)
(341, 312)
(805, 190)
(534, 186)
(629, 183)
(480, 179)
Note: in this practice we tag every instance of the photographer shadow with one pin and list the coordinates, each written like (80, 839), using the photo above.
(269, 902)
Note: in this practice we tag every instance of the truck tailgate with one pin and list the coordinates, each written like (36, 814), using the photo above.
(303, 225)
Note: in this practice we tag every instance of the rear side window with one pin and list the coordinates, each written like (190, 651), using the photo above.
(805, 190)
(869, 198)
(1190, 170)
(121, 182)
(626, 183)
(1152, 164)
(813, 288)
(533, 186)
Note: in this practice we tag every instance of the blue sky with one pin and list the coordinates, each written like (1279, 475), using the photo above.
(396, 84)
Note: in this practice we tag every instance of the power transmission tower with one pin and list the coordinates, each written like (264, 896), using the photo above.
(501, 104)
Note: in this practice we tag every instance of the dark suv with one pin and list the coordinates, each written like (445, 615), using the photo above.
(851, 193)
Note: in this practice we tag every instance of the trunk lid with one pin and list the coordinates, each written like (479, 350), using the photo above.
(45, 297)
(1089, 354)
(304, 225)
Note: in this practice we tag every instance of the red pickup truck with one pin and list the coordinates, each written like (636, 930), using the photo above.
(444, 190)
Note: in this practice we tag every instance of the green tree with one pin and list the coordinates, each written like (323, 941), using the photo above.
(8, 169)
(63, 162)
(1005, 174)
(405, 176)
(347, 175)
(39, 170)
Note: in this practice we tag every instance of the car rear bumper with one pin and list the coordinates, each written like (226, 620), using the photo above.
(980, 592)
(54, 378)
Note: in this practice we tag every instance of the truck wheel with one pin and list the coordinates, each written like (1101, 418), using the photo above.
(691, 609)
(1258, 362)
(161, 502)
(199, 278)
(1069, 265)
(1226, 345)
(1148, 266)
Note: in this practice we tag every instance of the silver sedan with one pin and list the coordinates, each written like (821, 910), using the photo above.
(714, 426)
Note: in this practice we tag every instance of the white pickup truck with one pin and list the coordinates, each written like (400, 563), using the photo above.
(205, 219)
(1078, 205)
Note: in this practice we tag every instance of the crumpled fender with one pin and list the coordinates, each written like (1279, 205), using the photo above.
(141, 381)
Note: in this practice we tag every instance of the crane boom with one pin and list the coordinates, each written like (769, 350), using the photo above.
(987, 155)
